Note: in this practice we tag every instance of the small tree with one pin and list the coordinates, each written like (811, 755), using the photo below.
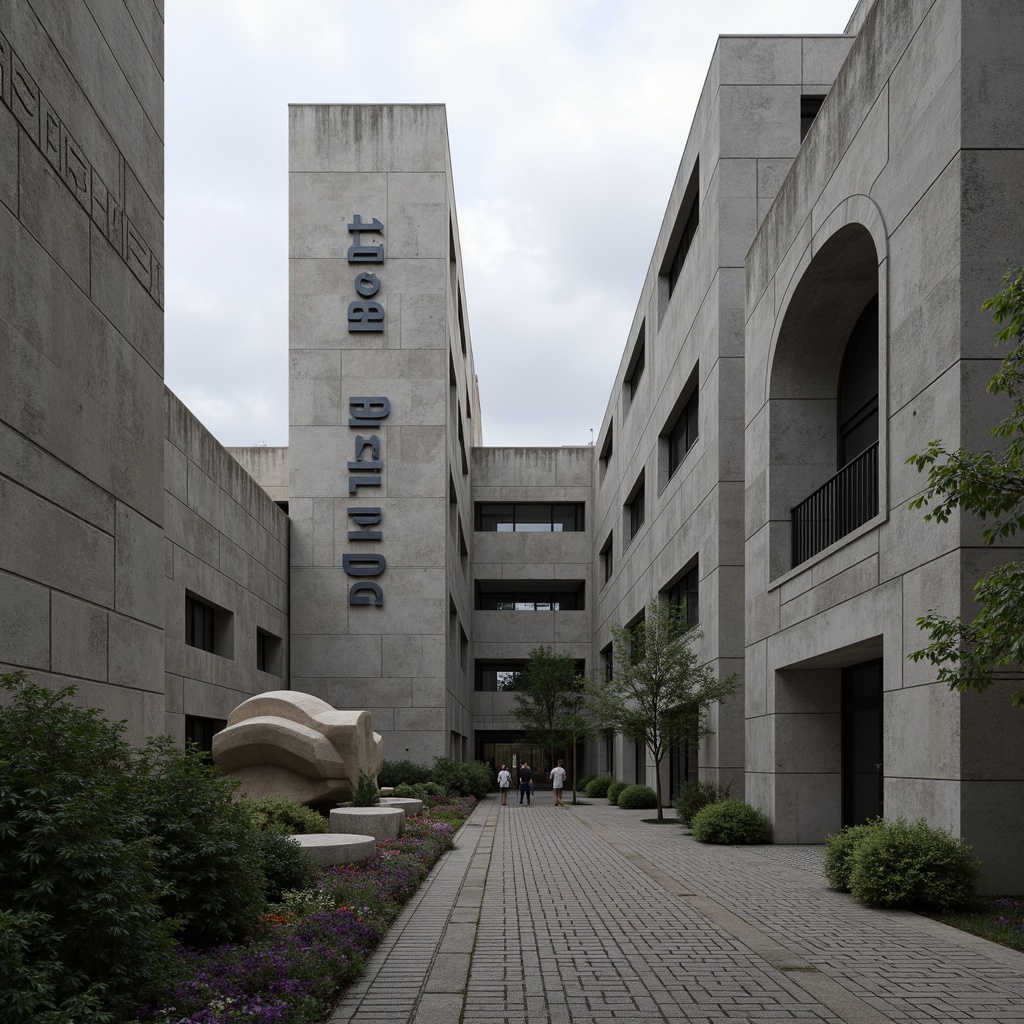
(659, 690)
(990, 486)
(544, 696)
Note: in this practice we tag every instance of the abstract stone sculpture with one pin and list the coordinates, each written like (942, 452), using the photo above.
(294, 746)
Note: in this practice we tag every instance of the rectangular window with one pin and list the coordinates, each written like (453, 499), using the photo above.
(635, 511)
(529, 517)
(525, 596)
(684, 594)
(268, 653)
(685, 230)
(498, 676)
(201, 731)
(606, 663)
(683, 433)
(607, 563)
(637, 370)
(606, 453)
(199, 624)
(809, 107)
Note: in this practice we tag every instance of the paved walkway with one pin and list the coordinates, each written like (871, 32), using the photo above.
(587, 914)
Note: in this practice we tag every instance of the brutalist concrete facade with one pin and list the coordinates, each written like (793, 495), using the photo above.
(81, 350)
(907, 187)
(118, 506)
(383, 413)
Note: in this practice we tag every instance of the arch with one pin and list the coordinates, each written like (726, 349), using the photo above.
(834, 290)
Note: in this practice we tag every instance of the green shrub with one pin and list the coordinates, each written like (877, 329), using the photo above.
(896, 864)
(599, 786)
(395, 773)
(287, 816)
(462, 778)
(410, 792)
(286, 865)
(638, 798)
(367, 794)
(839, 850)
(207, 853)
(731, 822)
(584, 781)
(80, 919)
(694, 796)
(433, 789)
(614, 790)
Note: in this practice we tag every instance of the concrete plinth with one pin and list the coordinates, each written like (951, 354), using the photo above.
(379, 822)
(409, 804)
(327, 849)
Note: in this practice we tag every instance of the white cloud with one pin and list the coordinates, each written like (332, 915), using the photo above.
(567, 122)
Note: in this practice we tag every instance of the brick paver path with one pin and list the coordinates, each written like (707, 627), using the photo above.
(587, 914)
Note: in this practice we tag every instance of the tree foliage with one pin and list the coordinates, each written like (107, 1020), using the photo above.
(549, 699)
(659, 692)
(990, 485)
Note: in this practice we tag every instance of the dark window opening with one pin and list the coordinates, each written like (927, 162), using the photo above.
(639, 364)
(809, 107)
(201, 731)
(529, 517)
(635, 511)
(530, 596)
(607, 562)
(283, 506)
(683, 434)
(684, 594)
(687, 234)
(497, 676)
(268, 652)
(857, 396)
(606, 452)
(199, 624)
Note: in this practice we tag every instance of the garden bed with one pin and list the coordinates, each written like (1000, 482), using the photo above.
(313, 944)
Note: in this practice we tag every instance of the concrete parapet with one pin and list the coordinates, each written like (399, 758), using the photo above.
(409, 804)
(327, 849)
(379, 822)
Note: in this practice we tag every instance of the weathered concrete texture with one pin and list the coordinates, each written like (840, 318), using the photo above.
(327, 849)
(81, 346)
(408, 804)
(379, 822)
(892, 193)
(397, 654)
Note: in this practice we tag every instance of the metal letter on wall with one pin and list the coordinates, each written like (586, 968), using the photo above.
(363, 315)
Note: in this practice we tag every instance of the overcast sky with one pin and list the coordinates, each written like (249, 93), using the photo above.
(567, 119)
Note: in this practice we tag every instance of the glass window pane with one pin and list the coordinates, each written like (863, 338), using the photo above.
(567, 518)
(495, 517)
(533, 518)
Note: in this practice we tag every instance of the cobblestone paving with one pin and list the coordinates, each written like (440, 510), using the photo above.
(586, 914)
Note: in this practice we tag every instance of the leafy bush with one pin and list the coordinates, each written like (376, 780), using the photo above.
(80, 919)
(584, 781)
(286, 865)
(731, 822)
(207, 853)
(294, 819)
(839, 850)
(397, 773)
(694, 796)
(367, 794)
(614, 790)
(599, 786)
(638, 798)
(896, 864)
(462, 778)
(410, 792)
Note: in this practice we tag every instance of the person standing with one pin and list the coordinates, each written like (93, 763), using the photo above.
(557, 776)
(525, 782)
(504, 778)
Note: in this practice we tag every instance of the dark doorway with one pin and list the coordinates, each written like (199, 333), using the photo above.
(509, 748)
(862, 742)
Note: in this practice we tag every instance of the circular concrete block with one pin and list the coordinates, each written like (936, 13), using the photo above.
(386, 790)
(379, 822)
(409, 804)
(327, 849)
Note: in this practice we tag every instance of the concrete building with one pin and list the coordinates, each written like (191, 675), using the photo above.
(810, 317)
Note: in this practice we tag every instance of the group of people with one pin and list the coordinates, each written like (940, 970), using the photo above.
(556, 775)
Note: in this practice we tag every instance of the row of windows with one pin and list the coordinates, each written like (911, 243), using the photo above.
(549, 596)
(209, 628)
(529, 517)
(498, 676)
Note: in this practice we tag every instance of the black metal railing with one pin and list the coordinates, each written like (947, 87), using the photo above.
(838, 507)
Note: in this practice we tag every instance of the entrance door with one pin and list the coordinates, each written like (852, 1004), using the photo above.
(862, 743)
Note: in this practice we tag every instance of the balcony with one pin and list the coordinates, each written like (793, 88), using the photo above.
(838, 507)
